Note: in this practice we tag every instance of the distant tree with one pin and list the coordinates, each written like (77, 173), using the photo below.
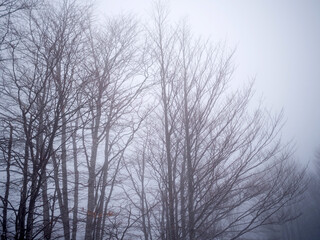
(307, 207)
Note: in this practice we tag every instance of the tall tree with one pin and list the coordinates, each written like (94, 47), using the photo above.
(222, 169)
(39, 85)
(111, 116)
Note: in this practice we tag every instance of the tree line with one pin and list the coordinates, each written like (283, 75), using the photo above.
(126, 130)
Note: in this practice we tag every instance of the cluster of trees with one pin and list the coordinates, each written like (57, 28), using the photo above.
(125, 131)
(307, 225)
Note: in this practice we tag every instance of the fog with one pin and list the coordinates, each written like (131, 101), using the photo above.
(171, 120)
(277, 44)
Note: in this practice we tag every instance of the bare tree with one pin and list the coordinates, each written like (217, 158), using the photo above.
(111, 118)
(69, 23)
(39, 86)
(307, 225)
(31, 92)
(140, 186)
(6, 149)
(222, 169)
(116, 132)
(9, 11)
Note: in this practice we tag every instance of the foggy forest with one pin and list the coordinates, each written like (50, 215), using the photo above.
(130, 129)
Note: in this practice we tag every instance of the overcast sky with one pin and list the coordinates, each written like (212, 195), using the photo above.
(277, 43)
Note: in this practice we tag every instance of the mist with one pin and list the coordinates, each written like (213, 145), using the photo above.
(159, 120)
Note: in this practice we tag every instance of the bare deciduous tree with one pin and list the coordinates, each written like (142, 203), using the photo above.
(110, 118)
(117, 132)
(39, 86)
(221, 169)
(9, 9)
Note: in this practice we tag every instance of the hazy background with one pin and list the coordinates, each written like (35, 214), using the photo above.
(277, 43)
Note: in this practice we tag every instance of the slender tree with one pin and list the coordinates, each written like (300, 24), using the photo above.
(111, 117)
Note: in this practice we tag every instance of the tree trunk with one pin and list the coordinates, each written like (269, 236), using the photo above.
(6, 195)
(171, 220)
(62, 208)
(100, 208)
(46, 214)
(190, 171)
(22, 211)
(92, 175)
(76, 181)
(65, 209)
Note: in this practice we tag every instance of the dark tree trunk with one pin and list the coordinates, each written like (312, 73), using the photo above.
(76, 181)
(7, 190)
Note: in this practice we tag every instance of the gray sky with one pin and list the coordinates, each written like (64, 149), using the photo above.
(278, 44)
